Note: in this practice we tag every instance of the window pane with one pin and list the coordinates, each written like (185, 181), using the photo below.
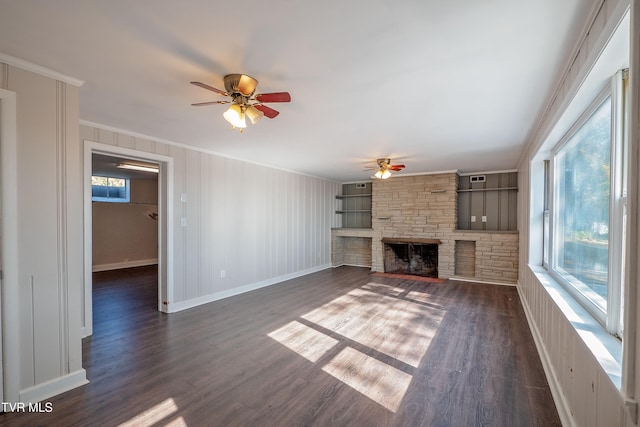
(99, 180)
(116, 182)
(108, 189)
(583, 167)
(545, 238)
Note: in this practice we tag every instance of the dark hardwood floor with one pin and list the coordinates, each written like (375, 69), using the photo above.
(336, 348)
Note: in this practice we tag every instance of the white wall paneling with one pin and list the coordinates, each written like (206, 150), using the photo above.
(10, 354)
(247, 225)
(43, 185)
(580, 359)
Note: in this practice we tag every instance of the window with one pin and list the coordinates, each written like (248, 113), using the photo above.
(581, 253)
(583, 229)
(109, 189)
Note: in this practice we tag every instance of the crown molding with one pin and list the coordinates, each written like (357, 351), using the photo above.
(38, 69)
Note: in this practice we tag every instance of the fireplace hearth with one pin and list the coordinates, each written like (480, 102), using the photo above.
(418, 257)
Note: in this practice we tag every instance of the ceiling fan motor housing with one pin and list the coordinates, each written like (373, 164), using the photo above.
(241, 84)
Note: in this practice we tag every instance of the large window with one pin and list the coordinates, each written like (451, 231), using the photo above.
(583, 188)
(584, 244)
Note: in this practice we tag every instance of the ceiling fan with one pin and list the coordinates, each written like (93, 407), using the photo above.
(240, 88)
(384, 168)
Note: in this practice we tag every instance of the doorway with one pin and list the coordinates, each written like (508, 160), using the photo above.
(162, 216)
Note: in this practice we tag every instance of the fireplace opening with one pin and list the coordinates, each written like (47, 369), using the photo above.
(416, 258)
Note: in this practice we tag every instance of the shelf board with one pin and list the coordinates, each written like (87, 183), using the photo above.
(471, 190)
(346, 196)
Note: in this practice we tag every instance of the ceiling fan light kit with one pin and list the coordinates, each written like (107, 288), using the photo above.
(385, 168)
(235, 116)
(241, 88)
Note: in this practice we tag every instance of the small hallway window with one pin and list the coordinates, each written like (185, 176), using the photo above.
(109, 189)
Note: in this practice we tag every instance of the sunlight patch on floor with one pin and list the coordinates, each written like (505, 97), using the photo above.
(384, 289)
(378, 381)
(305, 341)
(397, 327)
(378, 317)
(156, 414)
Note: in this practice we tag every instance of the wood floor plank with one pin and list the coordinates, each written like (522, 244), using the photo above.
(337, 347)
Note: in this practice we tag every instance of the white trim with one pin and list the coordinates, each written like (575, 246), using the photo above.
(345, 264)
(194, 302)
(39, 69)
(124, 264)
(630, 368)
(487, 172)
(194, 148)
(10, 291)
(481, 281)
(54, 387)
(165, 225)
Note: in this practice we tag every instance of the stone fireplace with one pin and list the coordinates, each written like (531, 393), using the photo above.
(424, 209)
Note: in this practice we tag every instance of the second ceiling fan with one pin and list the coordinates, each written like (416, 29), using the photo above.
(384, 168)
(244, 102)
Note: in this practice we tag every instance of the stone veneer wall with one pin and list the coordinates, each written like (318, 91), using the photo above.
(425, 206)
(497, 254)
(351, 246)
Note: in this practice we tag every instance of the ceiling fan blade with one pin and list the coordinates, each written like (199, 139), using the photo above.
(269, 112)
(274, 97)
(396, 167)
(201, 104)
(211, 88)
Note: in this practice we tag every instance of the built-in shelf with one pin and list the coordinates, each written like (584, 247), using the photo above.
(355, 205)
(488, 204)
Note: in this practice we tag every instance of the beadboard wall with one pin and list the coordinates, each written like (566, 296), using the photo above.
(252, 224)
(42, 221)
(584, 393)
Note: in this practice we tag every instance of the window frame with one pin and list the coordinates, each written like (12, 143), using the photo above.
(611, 317)
(126, 199)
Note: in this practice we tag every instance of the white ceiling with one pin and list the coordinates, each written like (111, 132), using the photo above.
(436, 85)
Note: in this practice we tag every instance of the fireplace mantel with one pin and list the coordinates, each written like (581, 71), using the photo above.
(411, 240)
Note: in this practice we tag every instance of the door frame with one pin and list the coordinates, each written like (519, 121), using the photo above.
(9, 303)
(165, 225)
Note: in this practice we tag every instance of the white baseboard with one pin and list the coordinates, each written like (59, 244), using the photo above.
(482, 281)
(53, 387)
(350, 265)
(124, 264)
(194, 302)
(554, 384)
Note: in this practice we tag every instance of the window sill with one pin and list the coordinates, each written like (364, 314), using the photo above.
(606, 348)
